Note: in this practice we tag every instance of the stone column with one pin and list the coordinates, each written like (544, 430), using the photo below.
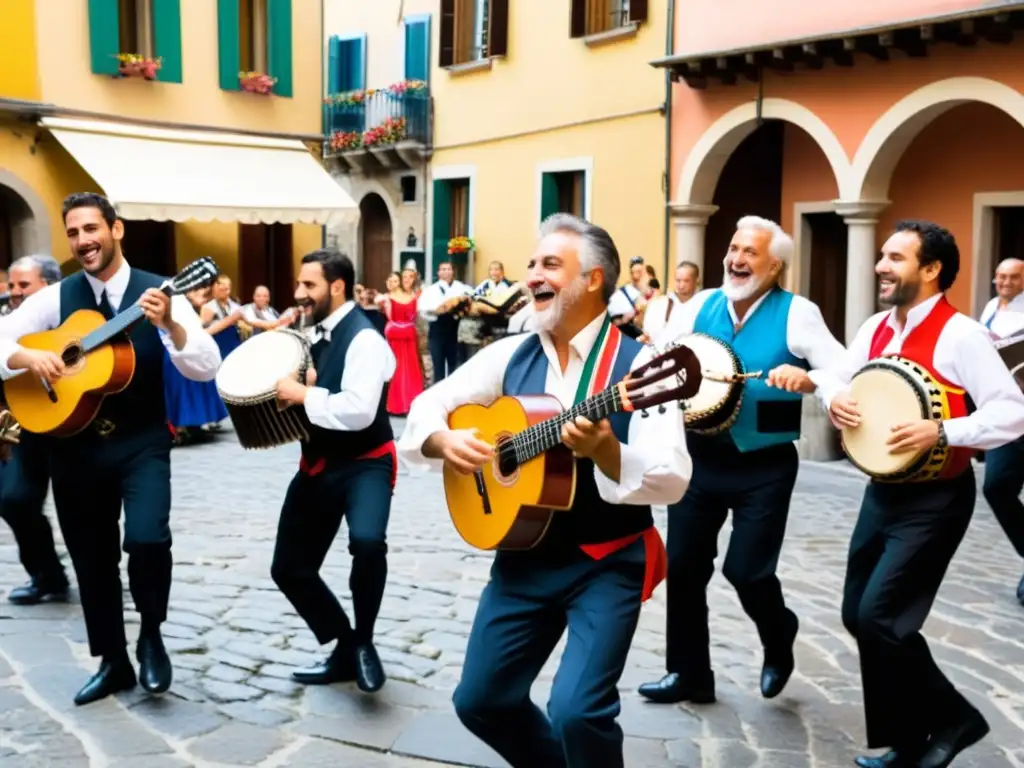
(691, 222)
(861, 217)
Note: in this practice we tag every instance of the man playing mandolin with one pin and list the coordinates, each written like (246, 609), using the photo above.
(597, 561)
(907, 532)
(123, 455)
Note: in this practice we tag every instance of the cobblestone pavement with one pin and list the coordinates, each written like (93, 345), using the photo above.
(235, 640)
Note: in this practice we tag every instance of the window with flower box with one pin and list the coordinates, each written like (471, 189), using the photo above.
(136, 38)
(592, 17)
(255, 46)
(472, 30)
(451, 219)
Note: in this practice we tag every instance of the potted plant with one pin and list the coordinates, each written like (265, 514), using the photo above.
(257, 82)
(137, 65)
(388, 132)
(344, 141)
(460, 245)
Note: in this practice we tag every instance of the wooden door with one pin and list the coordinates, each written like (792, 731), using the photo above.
(828, 269)
(6, 239)
(265, 258)
(149, 245)
(376, 242)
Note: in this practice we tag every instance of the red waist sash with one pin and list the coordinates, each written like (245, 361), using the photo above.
(656, 566)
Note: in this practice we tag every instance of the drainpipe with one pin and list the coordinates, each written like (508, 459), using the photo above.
(669, 50)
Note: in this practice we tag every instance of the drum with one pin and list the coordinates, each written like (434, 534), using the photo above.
(716, 405)
(247, 383)
(888, 391)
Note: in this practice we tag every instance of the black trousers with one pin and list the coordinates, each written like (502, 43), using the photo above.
(360, 493)
(905, 537)
(445, 351)
(757, 487)
(25, 483)
(93, 477)
(1004, 479)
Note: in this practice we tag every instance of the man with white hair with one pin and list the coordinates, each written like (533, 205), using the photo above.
(599, 560)
(26, 475)
(1004, 314)
(749, 468)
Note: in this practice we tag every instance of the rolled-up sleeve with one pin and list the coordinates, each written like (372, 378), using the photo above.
(199, 358)
(655, 465)
(39, 312)
(369, 365)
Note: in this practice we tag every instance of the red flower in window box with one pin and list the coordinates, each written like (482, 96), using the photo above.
(257, 82)
(136, 65)
(343, 141)
(388, 132)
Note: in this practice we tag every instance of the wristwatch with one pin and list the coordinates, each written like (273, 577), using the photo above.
(943, 440)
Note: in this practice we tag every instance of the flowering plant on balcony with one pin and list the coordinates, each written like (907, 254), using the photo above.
(137, 65)
(388, 132)
(257, 82)
(460, 244)
(348, 99)
(407, 86)
(343, 141)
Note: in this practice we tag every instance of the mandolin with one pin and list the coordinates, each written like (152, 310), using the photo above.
(509, 503)
(99, 359)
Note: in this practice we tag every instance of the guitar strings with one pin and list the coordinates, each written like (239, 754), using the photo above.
(534, 440)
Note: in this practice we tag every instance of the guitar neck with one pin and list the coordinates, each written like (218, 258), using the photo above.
(535, 440)
(120, 323)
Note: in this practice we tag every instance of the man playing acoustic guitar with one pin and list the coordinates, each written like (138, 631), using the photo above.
(124, 455)
(599, 560)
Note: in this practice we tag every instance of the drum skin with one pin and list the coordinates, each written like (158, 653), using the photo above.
(889, 391)
(716, 406)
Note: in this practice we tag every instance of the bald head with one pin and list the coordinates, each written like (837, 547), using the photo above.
(1009, 280)
(261, 297)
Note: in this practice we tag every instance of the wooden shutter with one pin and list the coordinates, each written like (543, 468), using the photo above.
(442, 222)
(228, 44)
(279, 45)
(548, 195)
(497, 37)
(638, 10)
(104, 36)
(334, 65)
(356, 64)
(578, 19)
(417, 49)
(446, 46)
(167, 39)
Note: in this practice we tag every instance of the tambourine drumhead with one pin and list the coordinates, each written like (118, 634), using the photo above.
(253, 369)
(714, 356)
(885, 396)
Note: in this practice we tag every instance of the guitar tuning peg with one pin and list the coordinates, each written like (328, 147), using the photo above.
(644, 414)
(662, 409)
(682, 406)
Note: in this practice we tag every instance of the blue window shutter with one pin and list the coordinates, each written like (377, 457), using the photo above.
(417, 50)
(357, 63)
(334, 65)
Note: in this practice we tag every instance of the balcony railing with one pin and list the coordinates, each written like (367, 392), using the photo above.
(379, 122)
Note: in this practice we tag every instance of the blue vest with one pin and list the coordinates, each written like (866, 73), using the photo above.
(591, 520)
(141, 404)
(768, 416)
(336, 444)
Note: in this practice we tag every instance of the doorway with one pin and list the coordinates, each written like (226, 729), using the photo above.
(376, 241)
(149, 245)
(824, 256)
(1007, 237)
(17, 227)
(265, 258)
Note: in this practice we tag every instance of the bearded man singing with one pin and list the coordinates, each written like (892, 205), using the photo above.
(347, 471)
(598, 561)
(749, 469)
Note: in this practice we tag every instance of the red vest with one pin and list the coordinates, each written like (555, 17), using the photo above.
(919, 346)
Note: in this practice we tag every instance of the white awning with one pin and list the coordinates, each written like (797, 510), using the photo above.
(161, 174)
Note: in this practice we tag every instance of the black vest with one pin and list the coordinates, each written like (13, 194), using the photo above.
(141, 403)
(336, 444)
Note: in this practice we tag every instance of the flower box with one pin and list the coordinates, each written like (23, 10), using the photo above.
(460, 245)
(136, 65)
(257, 82)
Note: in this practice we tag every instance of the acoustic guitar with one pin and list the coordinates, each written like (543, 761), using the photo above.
(509, 503)
(99, 359)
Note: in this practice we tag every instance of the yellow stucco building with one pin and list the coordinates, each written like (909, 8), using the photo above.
(202, 141)
(545, 107)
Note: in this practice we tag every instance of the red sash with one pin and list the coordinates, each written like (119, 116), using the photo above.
(388, 449)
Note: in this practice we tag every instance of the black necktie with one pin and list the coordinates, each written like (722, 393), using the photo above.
(319, 345)
(104, 306)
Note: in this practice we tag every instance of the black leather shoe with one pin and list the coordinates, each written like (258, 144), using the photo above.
(1020, 591)
(672, 690)
(948, 743)
(340, 667)
(894, 758)
(40, 591)
(113, 676)
(778, 665)
(155, 671)
(370, 675)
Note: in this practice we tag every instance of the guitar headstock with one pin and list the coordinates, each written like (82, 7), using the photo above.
(198, 274)
(678, 363)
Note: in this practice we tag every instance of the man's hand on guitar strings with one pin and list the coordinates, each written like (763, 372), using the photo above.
(597, 442)
(48, 366)
(460, 448)
(156, 306)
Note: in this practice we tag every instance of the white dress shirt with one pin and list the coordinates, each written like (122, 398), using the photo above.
(965, 357)
(369, 365)
(655, 465)
(437, 293)
(624, 301)
(198, 359)
(1005, 321)
(524, 320)
(249, 313)
(807, 336)
(654, 316)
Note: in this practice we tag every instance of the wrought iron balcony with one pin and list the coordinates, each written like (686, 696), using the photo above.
(377, 130)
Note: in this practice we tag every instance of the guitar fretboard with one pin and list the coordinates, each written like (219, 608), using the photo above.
(535, 440)
(118, 324)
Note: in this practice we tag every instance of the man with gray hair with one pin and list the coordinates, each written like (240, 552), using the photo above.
(749, 468)
(26, 475)
(598, 561)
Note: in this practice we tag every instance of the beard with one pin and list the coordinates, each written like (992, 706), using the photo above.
(900, 294)
(106, 256)
(548, 318)
(320, 312)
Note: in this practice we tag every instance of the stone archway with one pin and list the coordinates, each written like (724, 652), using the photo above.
(24, 223)
(889, 137)
(376, 242)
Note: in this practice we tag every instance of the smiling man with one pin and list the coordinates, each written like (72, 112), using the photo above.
(750, 468)
(907, 532)
(598, 561)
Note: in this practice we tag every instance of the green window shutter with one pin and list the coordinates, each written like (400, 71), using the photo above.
(104, 36)
(548, 195)
(228, 44)
(167, 39)
(417, 49)
(442, 223)
(353, 64)
(279, 44)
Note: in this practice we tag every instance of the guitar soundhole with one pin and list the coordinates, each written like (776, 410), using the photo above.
(506, 468)
(72, 355)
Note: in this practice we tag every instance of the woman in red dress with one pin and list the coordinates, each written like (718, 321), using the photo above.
(400, 307)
